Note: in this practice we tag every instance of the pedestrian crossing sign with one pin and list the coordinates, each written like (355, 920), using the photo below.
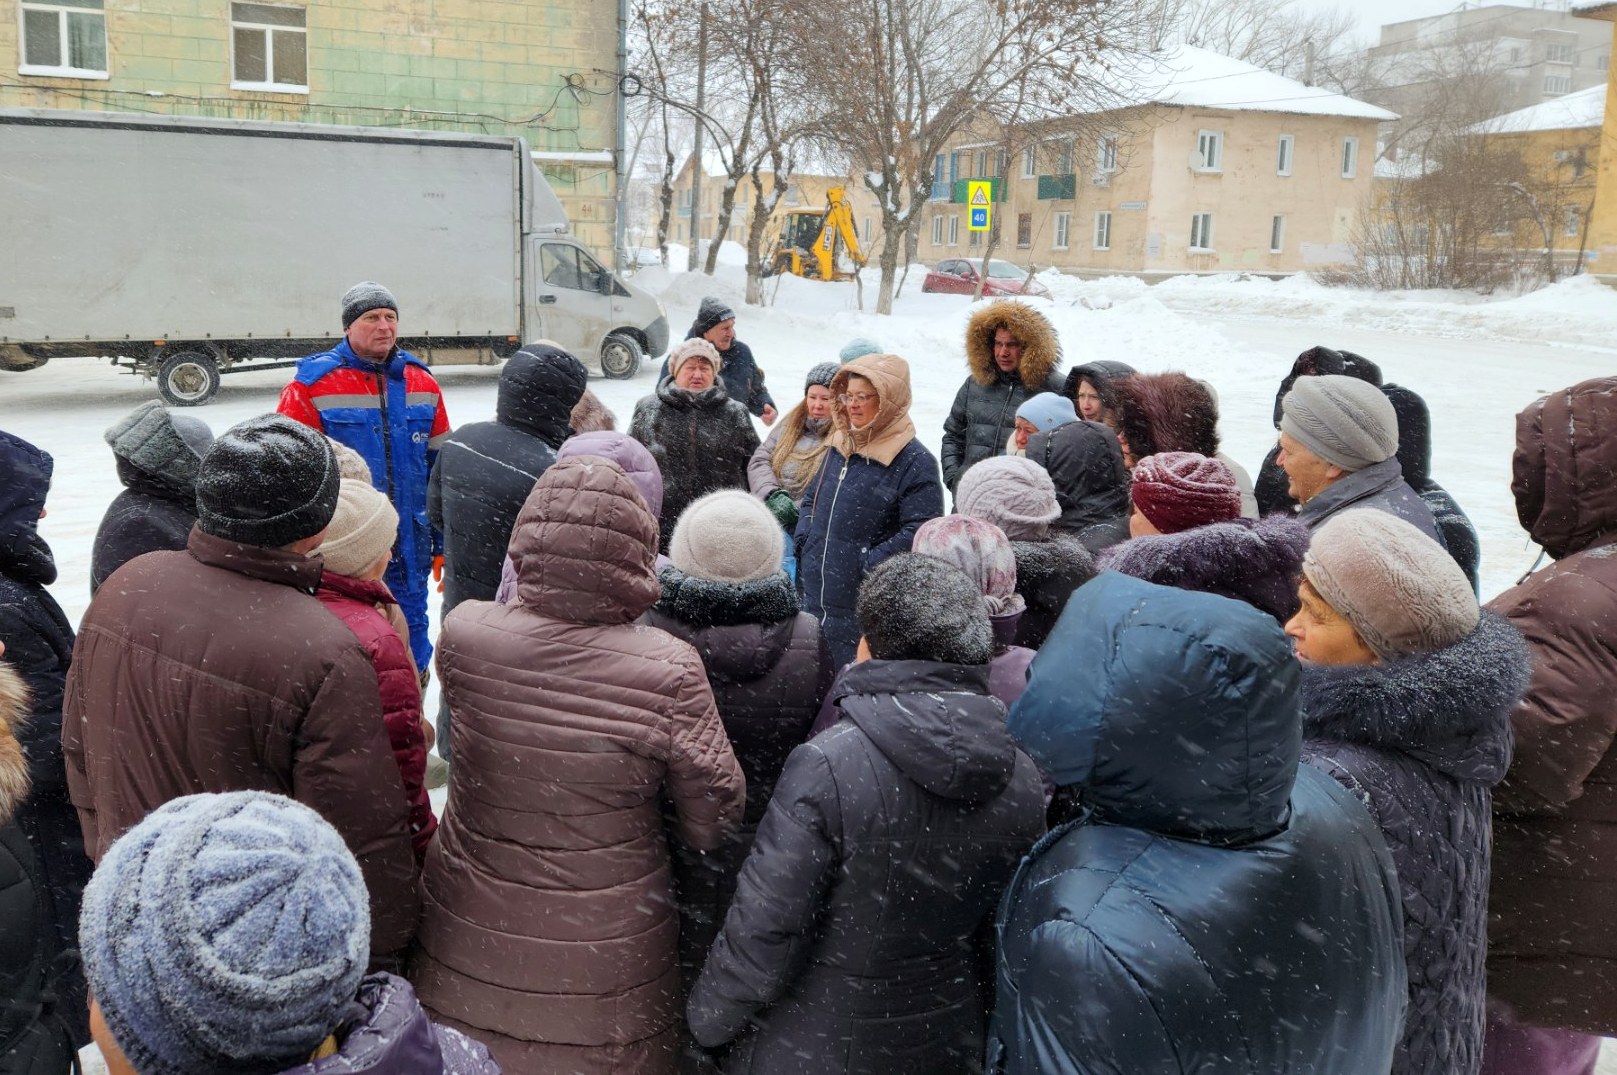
(979, 204)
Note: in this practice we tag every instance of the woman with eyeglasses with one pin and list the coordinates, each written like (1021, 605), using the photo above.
(876, 485)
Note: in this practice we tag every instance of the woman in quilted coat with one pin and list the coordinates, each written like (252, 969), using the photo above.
(548, 928)
(1407, 694)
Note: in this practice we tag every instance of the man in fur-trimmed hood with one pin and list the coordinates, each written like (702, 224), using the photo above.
(1013, 354)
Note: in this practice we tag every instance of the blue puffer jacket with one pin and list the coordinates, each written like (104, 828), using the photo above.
(392, 414)
(1213, 908)
(864, 507)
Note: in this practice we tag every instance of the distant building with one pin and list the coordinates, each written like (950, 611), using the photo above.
(1602, 242)
(1559, 146)
(1196, 163)
(545, 72)
(1543, 52)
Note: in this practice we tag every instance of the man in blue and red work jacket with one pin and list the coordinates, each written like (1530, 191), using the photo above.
(385, 404)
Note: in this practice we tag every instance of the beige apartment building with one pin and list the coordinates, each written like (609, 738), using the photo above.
(1200, 164)
(546, 72)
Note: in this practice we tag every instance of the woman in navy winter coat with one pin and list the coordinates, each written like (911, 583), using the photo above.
(1209, 906)
(876, 486)
(1408, 691)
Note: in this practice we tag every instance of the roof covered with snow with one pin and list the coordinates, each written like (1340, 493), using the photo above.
(1570, 112)
(1196, 78)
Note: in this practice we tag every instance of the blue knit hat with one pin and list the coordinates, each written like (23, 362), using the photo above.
(858, 347)
(225, 933)
(1047, 411)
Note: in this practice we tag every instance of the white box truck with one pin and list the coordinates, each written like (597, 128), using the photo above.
(186, 248)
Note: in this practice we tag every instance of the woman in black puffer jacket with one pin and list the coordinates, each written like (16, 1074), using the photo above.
(157, 454)
(853, 941)
(726, 595)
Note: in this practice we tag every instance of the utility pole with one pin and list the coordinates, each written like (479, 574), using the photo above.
(697, 168)
(1308, 64)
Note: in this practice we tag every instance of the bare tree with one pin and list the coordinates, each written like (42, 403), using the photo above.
(1272, 34)
(897, 79)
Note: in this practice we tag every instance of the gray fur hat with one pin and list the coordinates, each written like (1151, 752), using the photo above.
(268, 481)
(155, 441)
(919, 608)
(1402, 592)
(821, 375)
(225, 933)
(1012, 492)
(364, 297)
(1343, 420)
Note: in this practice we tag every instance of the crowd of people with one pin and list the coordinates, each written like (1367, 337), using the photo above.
(761, 760)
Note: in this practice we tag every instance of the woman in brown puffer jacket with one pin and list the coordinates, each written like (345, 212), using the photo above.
(1552, 938)
(549, 929)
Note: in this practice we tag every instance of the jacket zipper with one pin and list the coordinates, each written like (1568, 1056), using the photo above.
(830, 517)
(387, 437)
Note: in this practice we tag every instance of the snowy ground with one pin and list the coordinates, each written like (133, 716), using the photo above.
(1476, 361)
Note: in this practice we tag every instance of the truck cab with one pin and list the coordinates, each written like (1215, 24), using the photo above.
(584, 307)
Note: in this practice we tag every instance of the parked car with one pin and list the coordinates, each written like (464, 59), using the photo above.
(957, 276)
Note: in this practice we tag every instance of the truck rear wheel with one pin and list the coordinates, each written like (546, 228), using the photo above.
(188, 379)
(620, 356)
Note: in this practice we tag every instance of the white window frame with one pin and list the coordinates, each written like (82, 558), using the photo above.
(1285, 153)
(1201, 232)
(954, 230)
(1277, 234)
(1562, 54)
(937, 229)
(1210, 150)
(1064, 158)
(1030, 161)
(1350, 157)
(1103, 230)
(1106, 155)
(64, 69)
(1571, 221)
(1061, 232)
(1557, 84)
(270, 31)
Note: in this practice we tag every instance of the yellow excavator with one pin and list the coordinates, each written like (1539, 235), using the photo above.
(820, 244)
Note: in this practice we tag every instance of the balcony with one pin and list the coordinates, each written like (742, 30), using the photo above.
(996, 192)
(1058, 187)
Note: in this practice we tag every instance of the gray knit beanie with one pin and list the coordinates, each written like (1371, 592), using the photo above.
(268, 481)
(1343, 420)
(919, 608)
(1402, 592)
(159, 442)
(727, 536)
(1012, 492)
(225, 933)
(364, 297)
(821, 375)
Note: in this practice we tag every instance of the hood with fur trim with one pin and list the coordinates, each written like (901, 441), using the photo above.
(13, 766)
(1041, 347)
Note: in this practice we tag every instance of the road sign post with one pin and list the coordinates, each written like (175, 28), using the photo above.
(979, 204)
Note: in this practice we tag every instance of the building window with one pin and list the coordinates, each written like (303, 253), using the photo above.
(1602, 62)
(982, 162)
(1064, 162)
(954, 231)
(1201, 231)
(974, 238)
(1001, 159)
(1350, 158)
(1277, 235)
(1106, 155)
(1103, 231)
(1209, 151)
(1557, 84)
(937, 229)
(940, 183)
(270, 48)
(1558, 53)
(66, 37)
(1063, 224)
(1283, 155)
(1572, 223)
(1030, 162)
(1024, 229)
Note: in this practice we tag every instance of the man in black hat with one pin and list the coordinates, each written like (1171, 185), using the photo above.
(215, 669)
(743, 380)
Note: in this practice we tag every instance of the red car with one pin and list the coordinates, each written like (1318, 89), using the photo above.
(957, 276)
